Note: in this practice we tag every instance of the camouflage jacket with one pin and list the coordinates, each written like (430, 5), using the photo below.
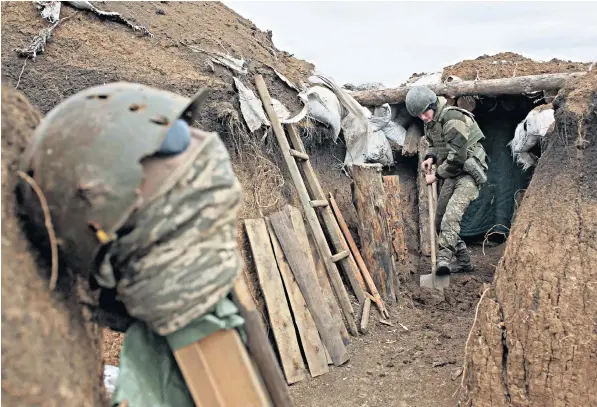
(453, 136)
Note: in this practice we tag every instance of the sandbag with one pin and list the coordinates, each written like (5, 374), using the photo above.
(528, 133)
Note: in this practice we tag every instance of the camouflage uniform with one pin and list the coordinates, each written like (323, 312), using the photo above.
(149, 218)
(453, 136)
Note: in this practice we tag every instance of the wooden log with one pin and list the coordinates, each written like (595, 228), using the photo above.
(373, 229)
(348, 265)
(275, 300)
(324, 281)
(490, 87)
(312, 345)
(259, 346)
(303, 269)
(365, 316)
(396, 226)
(411, 140)
(310, 213)
(359, 259)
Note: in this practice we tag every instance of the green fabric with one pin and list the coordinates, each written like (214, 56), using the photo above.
(495, 204)
(149, 375)
(223, 316)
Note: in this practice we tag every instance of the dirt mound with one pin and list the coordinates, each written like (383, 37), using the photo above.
(535, 338)
(508, 64)
(47, 355)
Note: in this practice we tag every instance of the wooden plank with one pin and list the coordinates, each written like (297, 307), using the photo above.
(312, 218)
(359, 259)
(423, 204)
(324, 281)
(348, 265)
(303, 269)
(365, 316)
(312, 345)
(369, 198)
(275, 300)
(299, 154)
(259, 346)
(212, 364)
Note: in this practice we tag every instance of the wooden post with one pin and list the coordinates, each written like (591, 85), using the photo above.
(359, 259)
(425, 246)
(314, 224)
(365, 316)
(259, 346)
(370, 202)
(391, 186)
(411, 140)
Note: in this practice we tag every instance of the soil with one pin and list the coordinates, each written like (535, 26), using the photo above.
(535, 341)
(48, 357)
(509, 64)
(390, 365)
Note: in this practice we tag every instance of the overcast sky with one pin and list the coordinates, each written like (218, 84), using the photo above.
(386, 42)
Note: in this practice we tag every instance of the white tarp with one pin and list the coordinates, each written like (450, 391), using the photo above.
(529, 132)
(254, 114)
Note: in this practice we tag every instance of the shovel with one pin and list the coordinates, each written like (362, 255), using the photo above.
(431, 280)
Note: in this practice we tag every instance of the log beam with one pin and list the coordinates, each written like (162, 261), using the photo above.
(490, 87)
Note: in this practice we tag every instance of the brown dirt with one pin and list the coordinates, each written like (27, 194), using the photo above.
(390, 366)
(492, 67)
(535, 341)
(48, 358)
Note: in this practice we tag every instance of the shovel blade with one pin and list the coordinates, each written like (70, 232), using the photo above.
(441, 282)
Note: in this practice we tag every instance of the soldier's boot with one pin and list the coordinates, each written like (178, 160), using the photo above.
(444, 258)
(463, 259)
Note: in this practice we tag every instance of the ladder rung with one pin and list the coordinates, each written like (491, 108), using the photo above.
(339, 256)
(298, 154)
(319, 203)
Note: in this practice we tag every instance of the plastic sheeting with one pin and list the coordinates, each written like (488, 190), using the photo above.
(529, 132)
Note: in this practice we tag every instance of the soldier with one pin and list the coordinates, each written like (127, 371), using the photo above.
(454, 147)
(143, 205)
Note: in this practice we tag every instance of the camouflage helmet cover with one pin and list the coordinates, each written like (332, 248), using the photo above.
(418, 99)
(86, 158)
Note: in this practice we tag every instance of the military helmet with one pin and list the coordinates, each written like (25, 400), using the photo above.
(418, 99)
(86, 154)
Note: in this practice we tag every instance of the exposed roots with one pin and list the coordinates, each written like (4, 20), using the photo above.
(49, 227)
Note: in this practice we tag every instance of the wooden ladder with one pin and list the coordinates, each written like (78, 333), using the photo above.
(312, 197)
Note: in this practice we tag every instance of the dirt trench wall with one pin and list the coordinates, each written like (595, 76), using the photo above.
(48, 357)
(536, 333)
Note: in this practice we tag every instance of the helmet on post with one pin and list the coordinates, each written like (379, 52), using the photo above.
(86, 154)
(418, 100)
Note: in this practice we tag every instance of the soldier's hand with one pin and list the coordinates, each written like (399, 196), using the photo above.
(426, 165)
(430, 178)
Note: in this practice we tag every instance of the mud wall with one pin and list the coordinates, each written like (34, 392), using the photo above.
(48, 357)
(535, 336)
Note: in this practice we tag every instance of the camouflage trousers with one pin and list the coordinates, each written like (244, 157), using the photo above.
(455, 196)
